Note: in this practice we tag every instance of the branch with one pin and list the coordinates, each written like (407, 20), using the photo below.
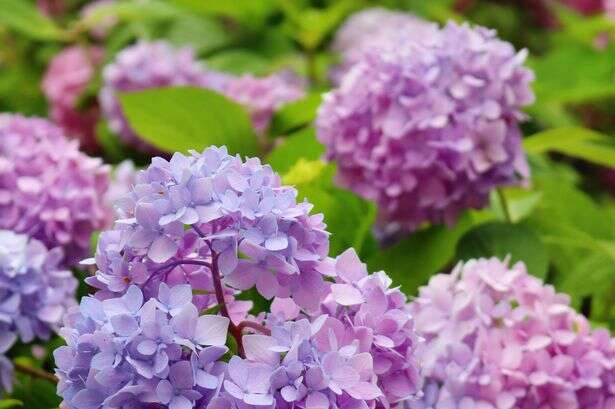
(255, 326)
(35, 372)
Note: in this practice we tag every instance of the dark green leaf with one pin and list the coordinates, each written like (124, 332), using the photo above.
(182, 118)
(299, 145)
(23, 16)
(496, 239)
(411, 261)
(295, 114)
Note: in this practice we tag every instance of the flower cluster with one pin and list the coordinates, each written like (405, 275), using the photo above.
(34, 294)
(66, 79)
(244, 226)
(498, 337)
(369, 305)
(302, 364)
(428, 129)
(263, 96)
(49, 190)
(374, 29)
(131, 353)
(142, 66)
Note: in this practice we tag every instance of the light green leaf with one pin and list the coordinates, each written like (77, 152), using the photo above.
(10, 403)
(577, 142)
(181, 118)
(496, 239)
(130, 11)
(238, 61)
(23, 16)
(301, 144)
(204, 34)
(295, 114)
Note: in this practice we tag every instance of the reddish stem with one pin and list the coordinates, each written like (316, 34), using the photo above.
(35, 372)
(255, 326)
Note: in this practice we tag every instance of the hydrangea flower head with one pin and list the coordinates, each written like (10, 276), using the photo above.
(130, 353)
(428, 129)
(34, 294)
(302, 364)
(67, 77)
(374, 29)
(48, 188)
(369, 304)
(263, 96)
(147, 65)
(205, 213)
(497, 337)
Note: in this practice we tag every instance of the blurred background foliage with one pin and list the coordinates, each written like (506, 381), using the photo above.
(562, 225)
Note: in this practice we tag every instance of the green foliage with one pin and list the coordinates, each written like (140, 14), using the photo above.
(502, 240)
(177, 119)
(577, 142)
(24, 17)
(348, 217)
(295, 114)
(10, 403)
(298, 145)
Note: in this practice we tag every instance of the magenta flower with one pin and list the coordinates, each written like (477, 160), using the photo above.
(498, 337)
(66, 79)
(48, 188)
(429, 129)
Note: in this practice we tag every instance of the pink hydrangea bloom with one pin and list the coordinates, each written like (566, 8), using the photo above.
(497, 337)
(429, 129)
(48, 188)
(67, 77)
(373, 29)
(263, 96)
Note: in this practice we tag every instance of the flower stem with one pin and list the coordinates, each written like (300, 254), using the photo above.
(255, 326)
(217, 279)
(504, 205)
(35, 372)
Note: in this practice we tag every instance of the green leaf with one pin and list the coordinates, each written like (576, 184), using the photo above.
(130, 11)
(204, 34)
(411, 261)
(10, 403)
(238, 61)
(248, 12)
(496, 239)
(295, 114)
(35, 393)
(181, 118)
(24, 17)
(299, 145)
(577, 142)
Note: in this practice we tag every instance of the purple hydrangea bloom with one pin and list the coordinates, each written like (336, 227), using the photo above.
(368, 303)
(123, 178)
(376, 28)
(66, 79)
(264, 95)
(232, 208)
(302, 364)
(428, 129)
(148, 65)
(497, 337)
(127, 353)
(34, 294)
(48, 188)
